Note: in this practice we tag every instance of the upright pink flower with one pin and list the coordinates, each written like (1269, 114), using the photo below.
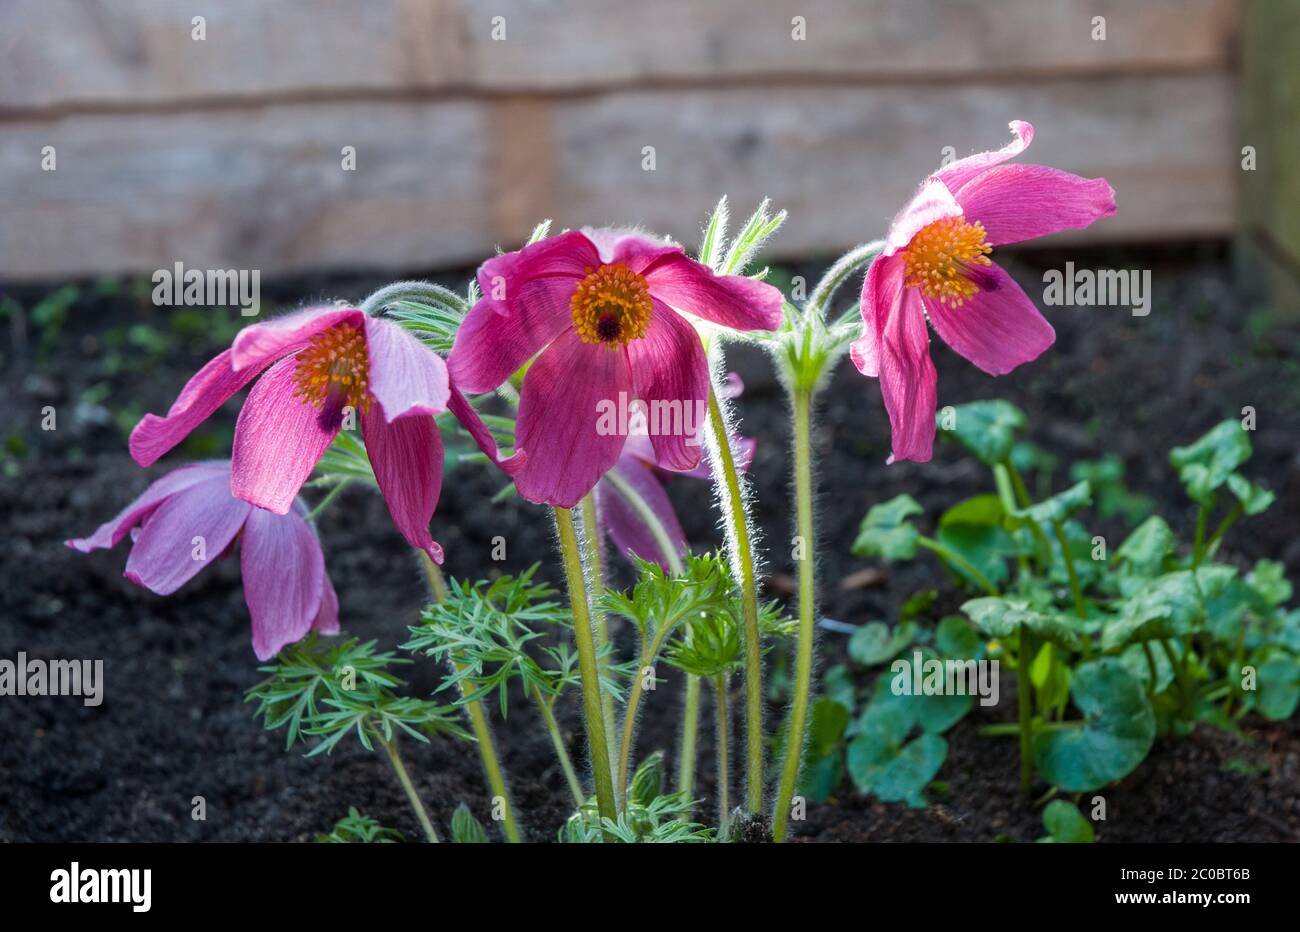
(936, 263)
(600, 307)
(318, 364)
(285, 584)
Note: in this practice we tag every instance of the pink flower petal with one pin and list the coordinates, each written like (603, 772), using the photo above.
(880, 291)
(932, 202)
(564, 395)
(996, 329)
(111, 532)
(624, 524)
(742, 453)
(504, 279)
(963, 170)
(468, 417)
(327, 619)
(1020, 202)
(188, 531)
(406, 377)
(728, 300)
(406, 455)
(278, 441)
(266, 342)
(671, 376)
(284, 579)
(907, 377)
(634, 250)
(203, 394)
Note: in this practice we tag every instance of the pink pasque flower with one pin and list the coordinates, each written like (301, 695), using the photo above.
(316, 364)
(286, 586)
(936, 264)
(600, 307)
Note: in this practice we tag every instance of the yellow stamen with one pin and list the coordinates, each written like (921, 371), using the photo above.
(611, 306)
(334, 370)
(942, 260)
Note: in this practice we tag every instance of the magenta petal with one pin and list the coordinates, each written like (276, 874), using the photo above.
(1020, 202)
(881, 289)
(564, 395)
(627, 529)
(671, 377)
(504, 279)
(907, 377)
(963, 170)
(278, 441)
(111, 532)
(266, 342)
(406, 377)
(284, 579)
(931, 203)
(728, 300)
(406, 456)
(996, 329)
(464, 412)
(327, 619)
(204, 393)
(186, 533)
(491, 344)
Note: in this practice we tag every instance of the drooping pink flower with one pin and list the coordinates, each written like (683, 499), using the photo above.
(317, 366)
(188, 518)
(936, 264)
(600, 307)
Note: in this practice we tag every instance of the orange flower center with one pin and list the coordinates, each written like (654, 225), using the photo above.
(611, 306)
(943, 260)
(333, 370)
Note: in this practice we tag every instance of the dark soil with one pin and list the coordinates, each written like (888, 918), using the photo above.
(173, 724)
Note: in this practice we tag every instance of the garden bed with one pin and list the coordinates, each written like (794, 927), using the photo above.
(173, 724)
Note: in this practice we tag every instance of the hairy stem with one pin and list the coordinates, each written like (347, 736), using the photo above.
(648, 654)
(390, 748)
(595, 564)
(690, 735)
(802, 398)
(738, 538)
(723, 751)
(597, 741)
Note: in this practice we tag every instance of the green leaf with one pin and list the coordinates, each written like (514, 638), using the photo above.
(829, 721)
(648, 781)
(1134, 659)
(1167, 606)
(1000, 618)
(465, 829)
(955, 638)
(1279, 687)
(886, 532)
(1145, 550)
(1269, 581)
(986, 548)
(821, 777)
(1254, 498)
(880, 762)
(985, 428)
(875, 642)
(1060, 506)
(1116, 735)
(1206, 465)
(983, 510)
(1065, 824)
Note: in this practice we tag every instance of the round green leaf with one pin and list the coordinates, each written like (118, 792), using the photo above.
(886, 532)
(875, 642)
(985, 428)
(1065, 824)
(1206, 464)
(1000, 618)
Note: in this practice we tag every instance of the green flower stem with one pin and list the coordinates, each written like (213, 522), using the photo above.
(1151, 666)
(597, 741)
(1025, 707)
(1076, 590)
(733, 506)
(648, 654)
(1198, 546)
(795, 731)
(329, 497)
(691, 704)
(948, 555)
(1043, 553)
(724, 744)
(561, 752)
(390, 748)
(595, 564)
(477, 717)
(1228, 521)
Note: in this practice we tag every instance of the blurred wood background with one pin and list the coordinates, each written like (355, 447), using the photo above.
(227, 152)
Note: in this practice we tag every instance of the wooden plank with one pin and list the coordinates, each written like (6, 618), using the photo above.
(72, 54)
(440, 183)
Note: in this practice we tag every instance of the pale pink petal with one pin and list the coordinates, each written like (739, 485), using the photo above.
(186, 533)
(932, 202)
(327, 619)
(571, 389)
(626, 527)
(111, 532)
(406, 377)
(997, 329)
(266, 342)
(671, 377)
(881, 289)
(634, 250)
(203, 394)
(1020, 202)
(406, 456)
(278, 441)
(284, 579)
(728, 300)
(963, 170)
(907, 378)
